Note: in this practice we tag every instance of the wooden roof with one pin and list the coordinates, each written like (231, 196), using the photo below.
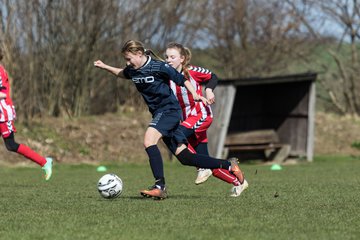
(308, 76)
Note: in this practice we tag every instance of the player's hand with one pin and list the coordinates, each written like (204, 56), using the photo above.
(210, 96)
(201, 99)
(99, 64)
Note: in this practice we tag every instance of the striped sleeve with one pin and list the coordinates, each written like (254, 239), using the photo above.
(200, 74)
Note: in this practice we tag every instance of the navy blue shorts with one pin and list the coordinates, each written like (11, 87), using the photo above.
(168, 123)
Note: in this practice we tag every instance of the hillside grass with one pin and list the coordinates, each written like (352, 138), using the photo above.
(316, 200)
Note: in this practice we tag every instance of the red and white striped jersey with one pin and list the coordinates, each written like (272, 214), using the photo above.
(7, 109)
(189, 107)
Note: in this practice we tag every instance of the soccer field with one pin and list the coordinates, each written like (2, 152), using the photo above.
(305, 201)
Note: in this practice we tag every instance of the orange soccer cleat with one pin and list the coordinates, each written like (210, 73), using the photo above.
(235, 169)
(155, 192)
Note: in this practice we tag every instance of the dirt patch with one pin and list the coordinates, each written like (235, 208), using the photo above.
(109, 137)
(119, 137)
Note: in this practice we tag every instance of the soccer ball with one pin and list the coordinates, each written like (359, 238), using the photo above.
(110, 186)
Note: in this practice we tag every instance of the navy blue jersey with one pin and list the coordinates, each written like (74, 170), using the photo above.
(152, 81)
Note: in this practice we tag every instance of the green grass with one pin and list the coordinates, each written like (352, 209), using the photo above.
(315, 201)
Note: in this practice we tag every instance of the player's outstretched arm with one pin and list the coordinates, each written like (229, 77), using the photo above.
(114, 70)
(196, 96)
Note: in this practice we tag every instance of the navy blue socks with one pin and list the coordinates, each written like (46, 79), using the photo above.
(156, 164)
(201, 161)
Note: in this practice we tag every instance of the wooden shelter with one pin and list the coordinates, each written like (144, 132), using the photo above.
(261, 114)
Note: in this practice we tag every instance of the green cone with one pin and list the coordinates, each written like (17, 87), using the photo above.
(275, 167)
(101, 169)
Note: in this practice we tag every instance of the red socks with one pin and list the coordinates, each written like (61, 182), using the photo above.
(226, 176)
(30, 154)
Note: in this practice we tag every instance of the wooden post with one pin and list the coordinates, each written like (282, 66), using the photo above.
(311, 123)
(222, 109)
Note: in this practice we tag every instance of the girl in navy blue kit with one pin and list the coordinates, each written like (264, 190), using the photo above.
(151, 77)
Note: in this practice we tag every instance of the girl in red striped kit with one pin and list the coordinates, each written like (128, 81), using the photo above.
(198, 116)
(7, 128)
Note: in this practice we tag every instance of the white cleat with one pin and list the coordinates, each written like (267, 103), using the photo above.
(48, 168)
(203, 175)
(237, 190)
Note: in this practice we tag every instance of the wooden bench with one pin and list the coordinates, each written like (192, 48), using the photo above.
(266, 141)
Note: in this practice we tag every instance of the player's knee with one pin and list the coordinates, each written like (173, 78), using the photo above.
(148, 144)
(11, 145)
(179, 148)
(148, 141)
(152, 137)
